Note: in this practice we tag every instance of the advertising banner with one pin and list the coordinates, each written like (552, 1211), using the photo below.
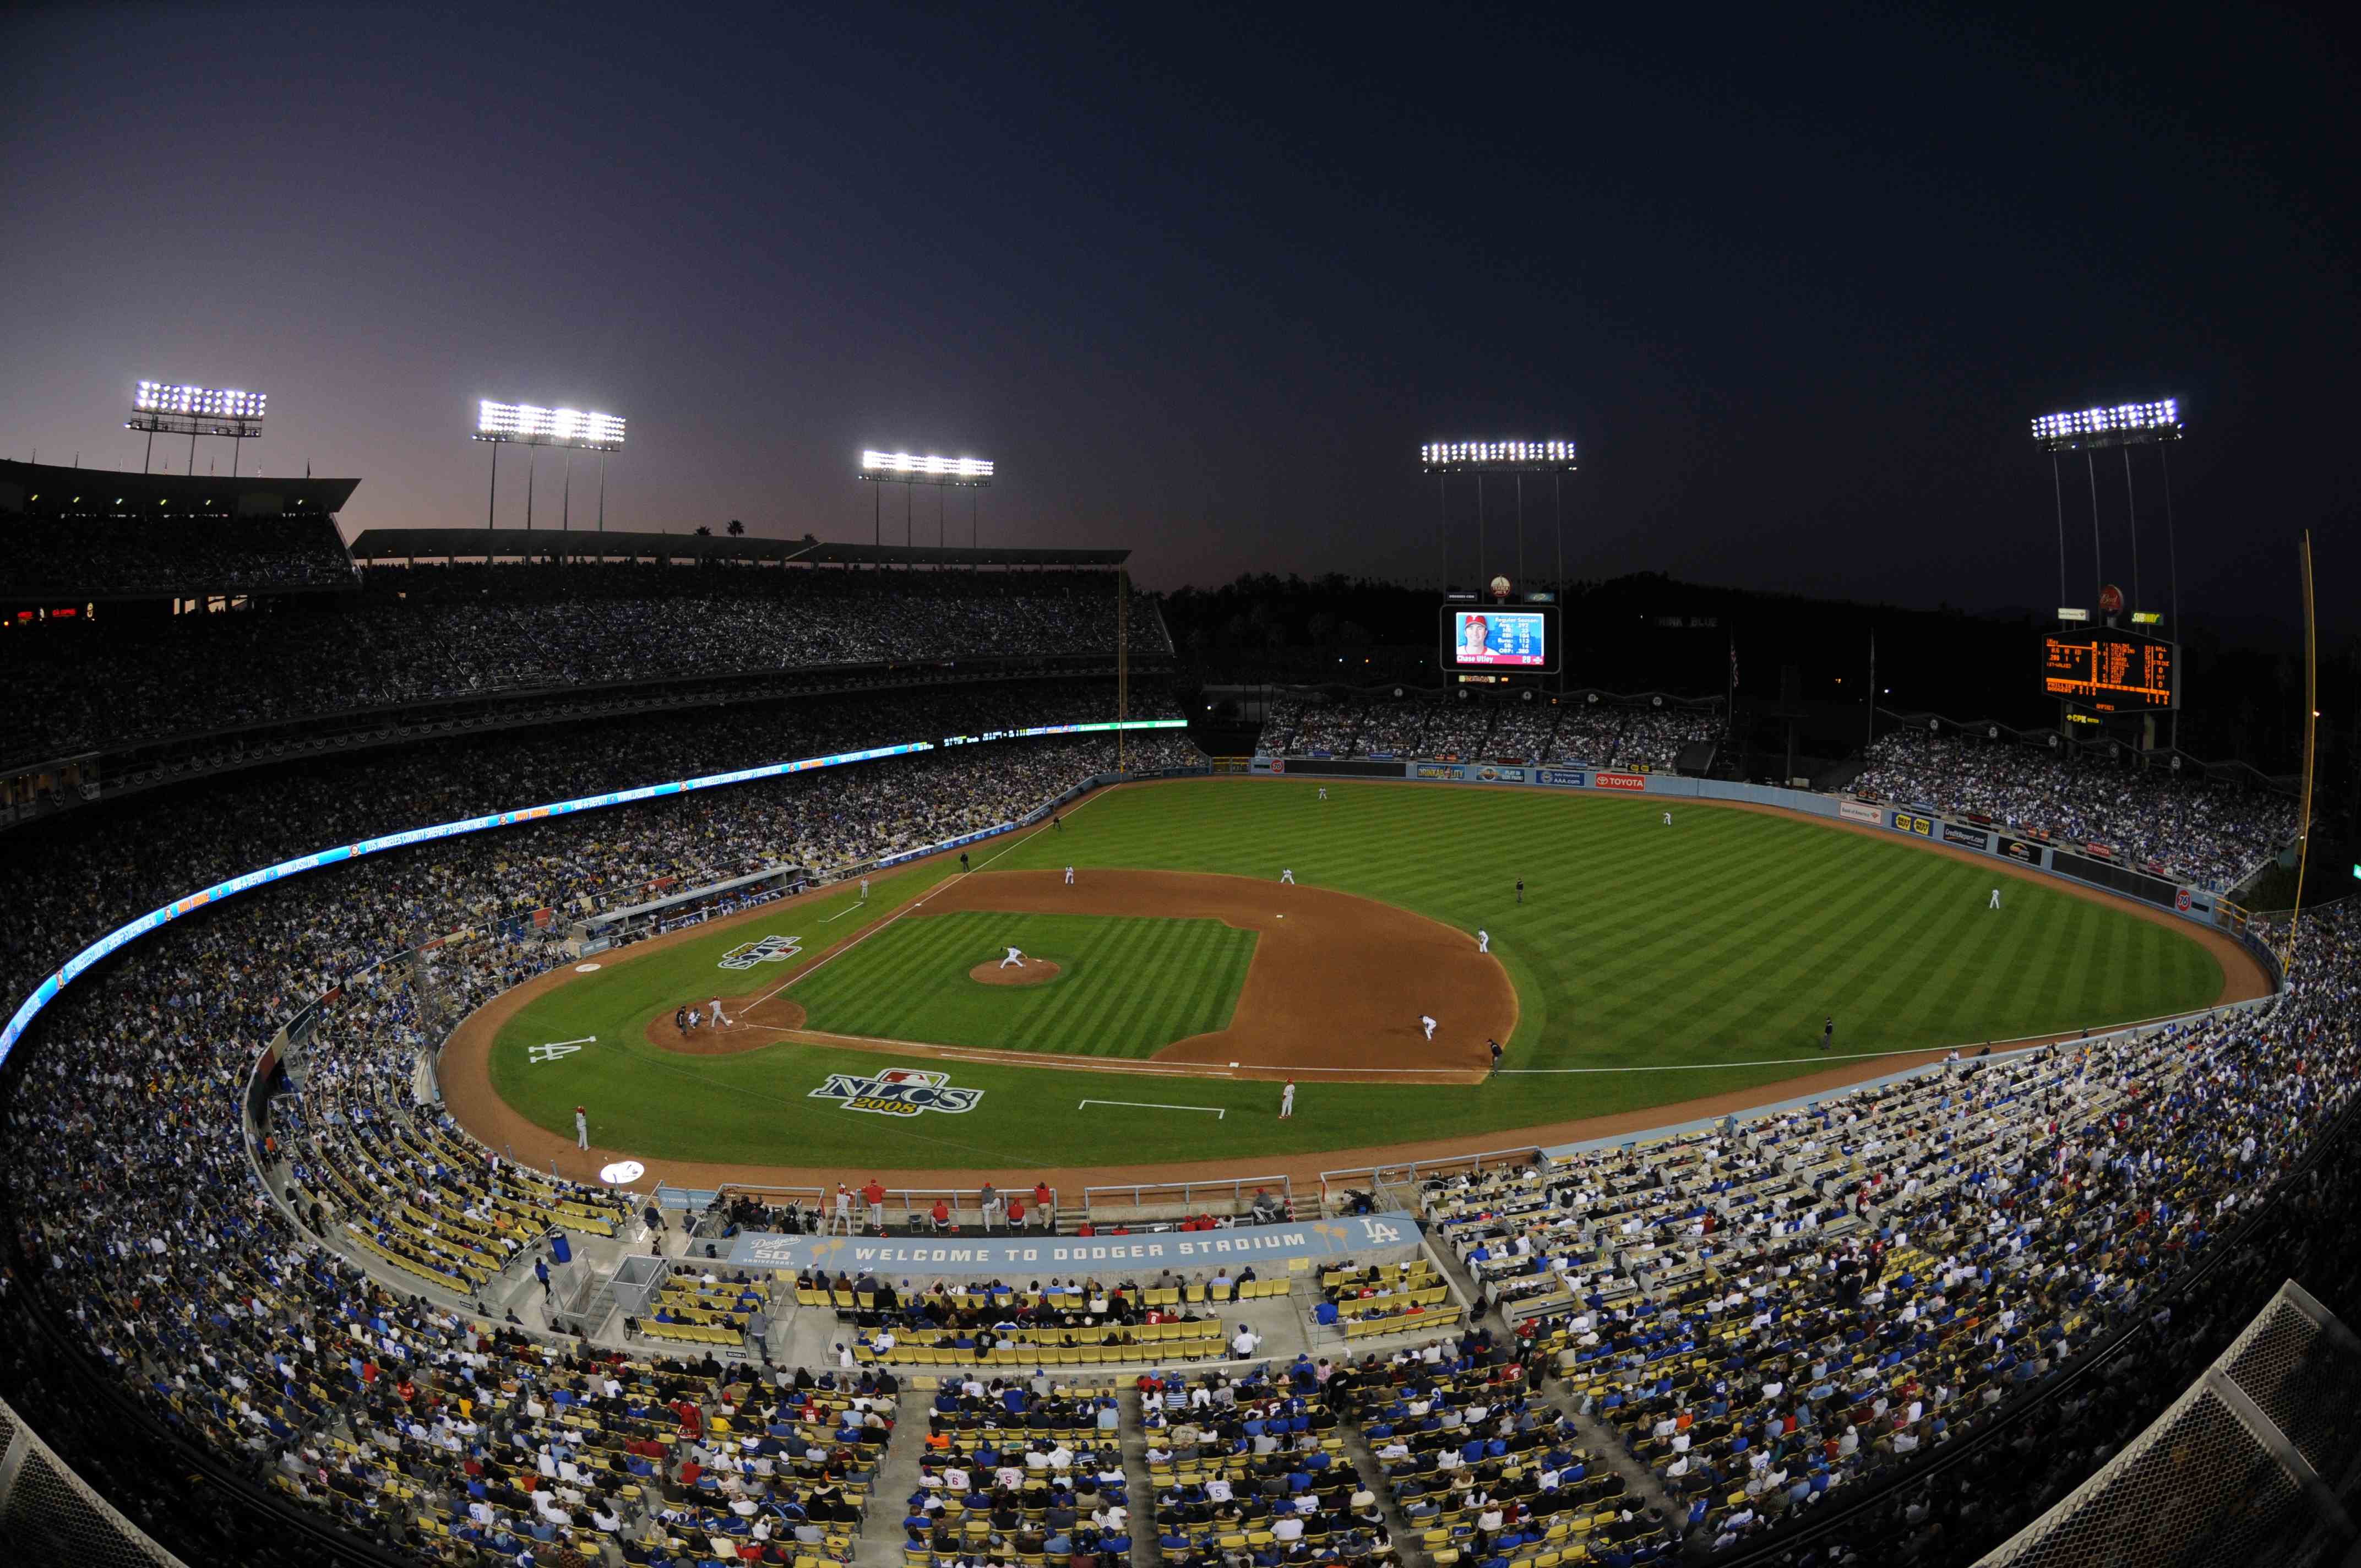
(1562, 777)
(1974, 838)
(1491, 774)
(1621, 781)
(1861, 811)
(1439, 771)
(1911, 822)
(1261, 1245)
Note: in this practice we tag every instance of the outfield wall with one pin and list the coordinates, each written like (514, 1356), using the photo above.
(2195, 905)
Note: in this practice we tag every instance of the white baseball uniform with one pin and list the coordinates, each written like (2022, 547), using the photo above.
(1288, 875)
(1016, 957)
(1428, 1024)
(1287, 1101)
(1668, 819)
(1323, 792)
(864, 887)
(1483, 941)
(1995, 900)
(1069, 876)
(581, 1130)
(695, 1017)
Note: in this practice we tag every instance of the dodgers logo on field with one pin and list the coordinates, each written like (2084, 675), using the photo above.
(768, 951)
(898, 1091)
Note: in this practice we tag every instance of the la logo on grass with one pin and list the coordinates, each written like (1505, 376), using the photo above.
(768, 951)
(898, 1091)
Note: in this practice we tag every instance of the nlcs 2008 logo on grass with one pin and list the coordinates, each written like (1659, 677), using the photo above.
(764, 951)
(898, 1091)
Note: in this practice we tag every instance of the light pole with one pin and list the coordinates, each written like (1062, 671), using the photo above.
(536, 427)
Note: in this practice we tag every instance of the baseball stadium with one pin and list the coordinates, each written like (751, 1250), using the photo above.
(1300, 795)
(968, 1025)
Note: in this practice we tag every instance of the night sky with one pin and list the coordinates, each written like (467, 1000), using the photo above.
(1200, 282)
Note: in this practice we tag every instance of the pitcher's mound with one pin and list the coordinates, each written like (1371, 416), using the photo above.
(1034, 971)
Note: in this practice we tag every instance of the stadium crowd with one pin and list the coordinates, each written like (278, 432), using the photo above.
(1603, 735)
(82, 558)
(129, 1183)
(2209, 834)
(428, 633)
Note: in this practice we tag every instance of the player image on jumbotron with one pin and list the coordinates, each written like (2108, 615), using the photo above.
(1503, 637)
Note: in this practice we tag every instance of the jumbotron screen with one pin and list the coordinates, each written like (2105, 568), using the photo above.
(1521, 639)
(2111, 672)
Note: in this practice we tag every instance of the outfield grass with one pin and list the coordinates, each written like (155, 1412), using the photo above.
(1706, 954)
(1125, 987)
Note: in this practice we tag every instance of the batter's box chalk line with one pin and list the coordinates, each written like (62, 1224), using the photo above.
(1219, 1111)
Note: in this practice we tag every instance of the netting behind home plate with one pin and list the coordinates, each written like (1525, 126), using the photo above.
(2245, 1467)
(48, 1516)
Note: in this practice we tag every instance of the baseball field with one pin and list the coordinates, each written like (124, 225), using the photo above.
(1175, 981)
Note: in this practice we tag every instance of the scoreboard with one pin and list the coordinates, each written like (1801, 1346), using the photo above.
(2111, 672)
(1500, 639)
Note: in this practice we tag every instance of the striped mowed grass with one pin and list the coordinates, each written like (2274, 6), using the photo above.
(1126, 986)
(1728, 937)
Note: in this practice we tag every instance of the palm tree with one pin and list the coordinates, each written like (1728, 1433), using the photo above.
(736, 528)
(704, 530)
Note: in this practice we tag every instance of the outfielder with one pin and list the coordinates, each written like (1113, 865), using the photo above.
(1483, 941)
(1287, 1101)
(1995, 900)
(1323, 792)
(1288, 876)
(1668, 819)
(1015, 959)
(1428, 1024)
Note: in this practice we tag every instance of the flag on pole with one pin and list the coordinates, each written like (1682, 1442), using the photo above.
(1733, 661)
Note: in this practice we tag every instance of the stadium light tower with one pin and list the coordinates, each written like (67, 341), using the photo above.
(910, 470)
(158, 408)
(535, 428)
(1445, 458)
(2126, 425)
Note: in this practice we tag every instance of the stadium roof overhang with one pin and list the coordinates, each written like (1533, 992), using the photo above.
(46, 490)
(517, 543)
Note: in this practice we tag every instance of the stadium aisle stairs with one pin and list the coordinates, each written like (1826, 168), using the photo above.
(880, 1545)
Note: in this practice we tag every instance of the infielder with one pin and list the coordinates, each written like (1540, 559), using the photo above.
(1428, 1024)
(1483, 940)
(1995, 900)
(1015, 959)
(1288, 876)
(581, 1128)
(1287, 1101)
(1069, 876)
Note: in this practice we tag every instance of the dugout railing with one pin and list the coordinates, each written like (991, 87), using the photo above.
(1150, 1201)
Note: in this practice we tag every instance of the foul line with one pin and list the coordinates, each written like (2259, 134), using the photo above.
(919, 901)
(858, 903)
(1219, 1111)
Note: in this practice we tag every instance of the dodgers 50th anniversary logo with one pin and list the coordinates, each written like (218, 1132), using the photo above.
(898, 1091)
(768, 951)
